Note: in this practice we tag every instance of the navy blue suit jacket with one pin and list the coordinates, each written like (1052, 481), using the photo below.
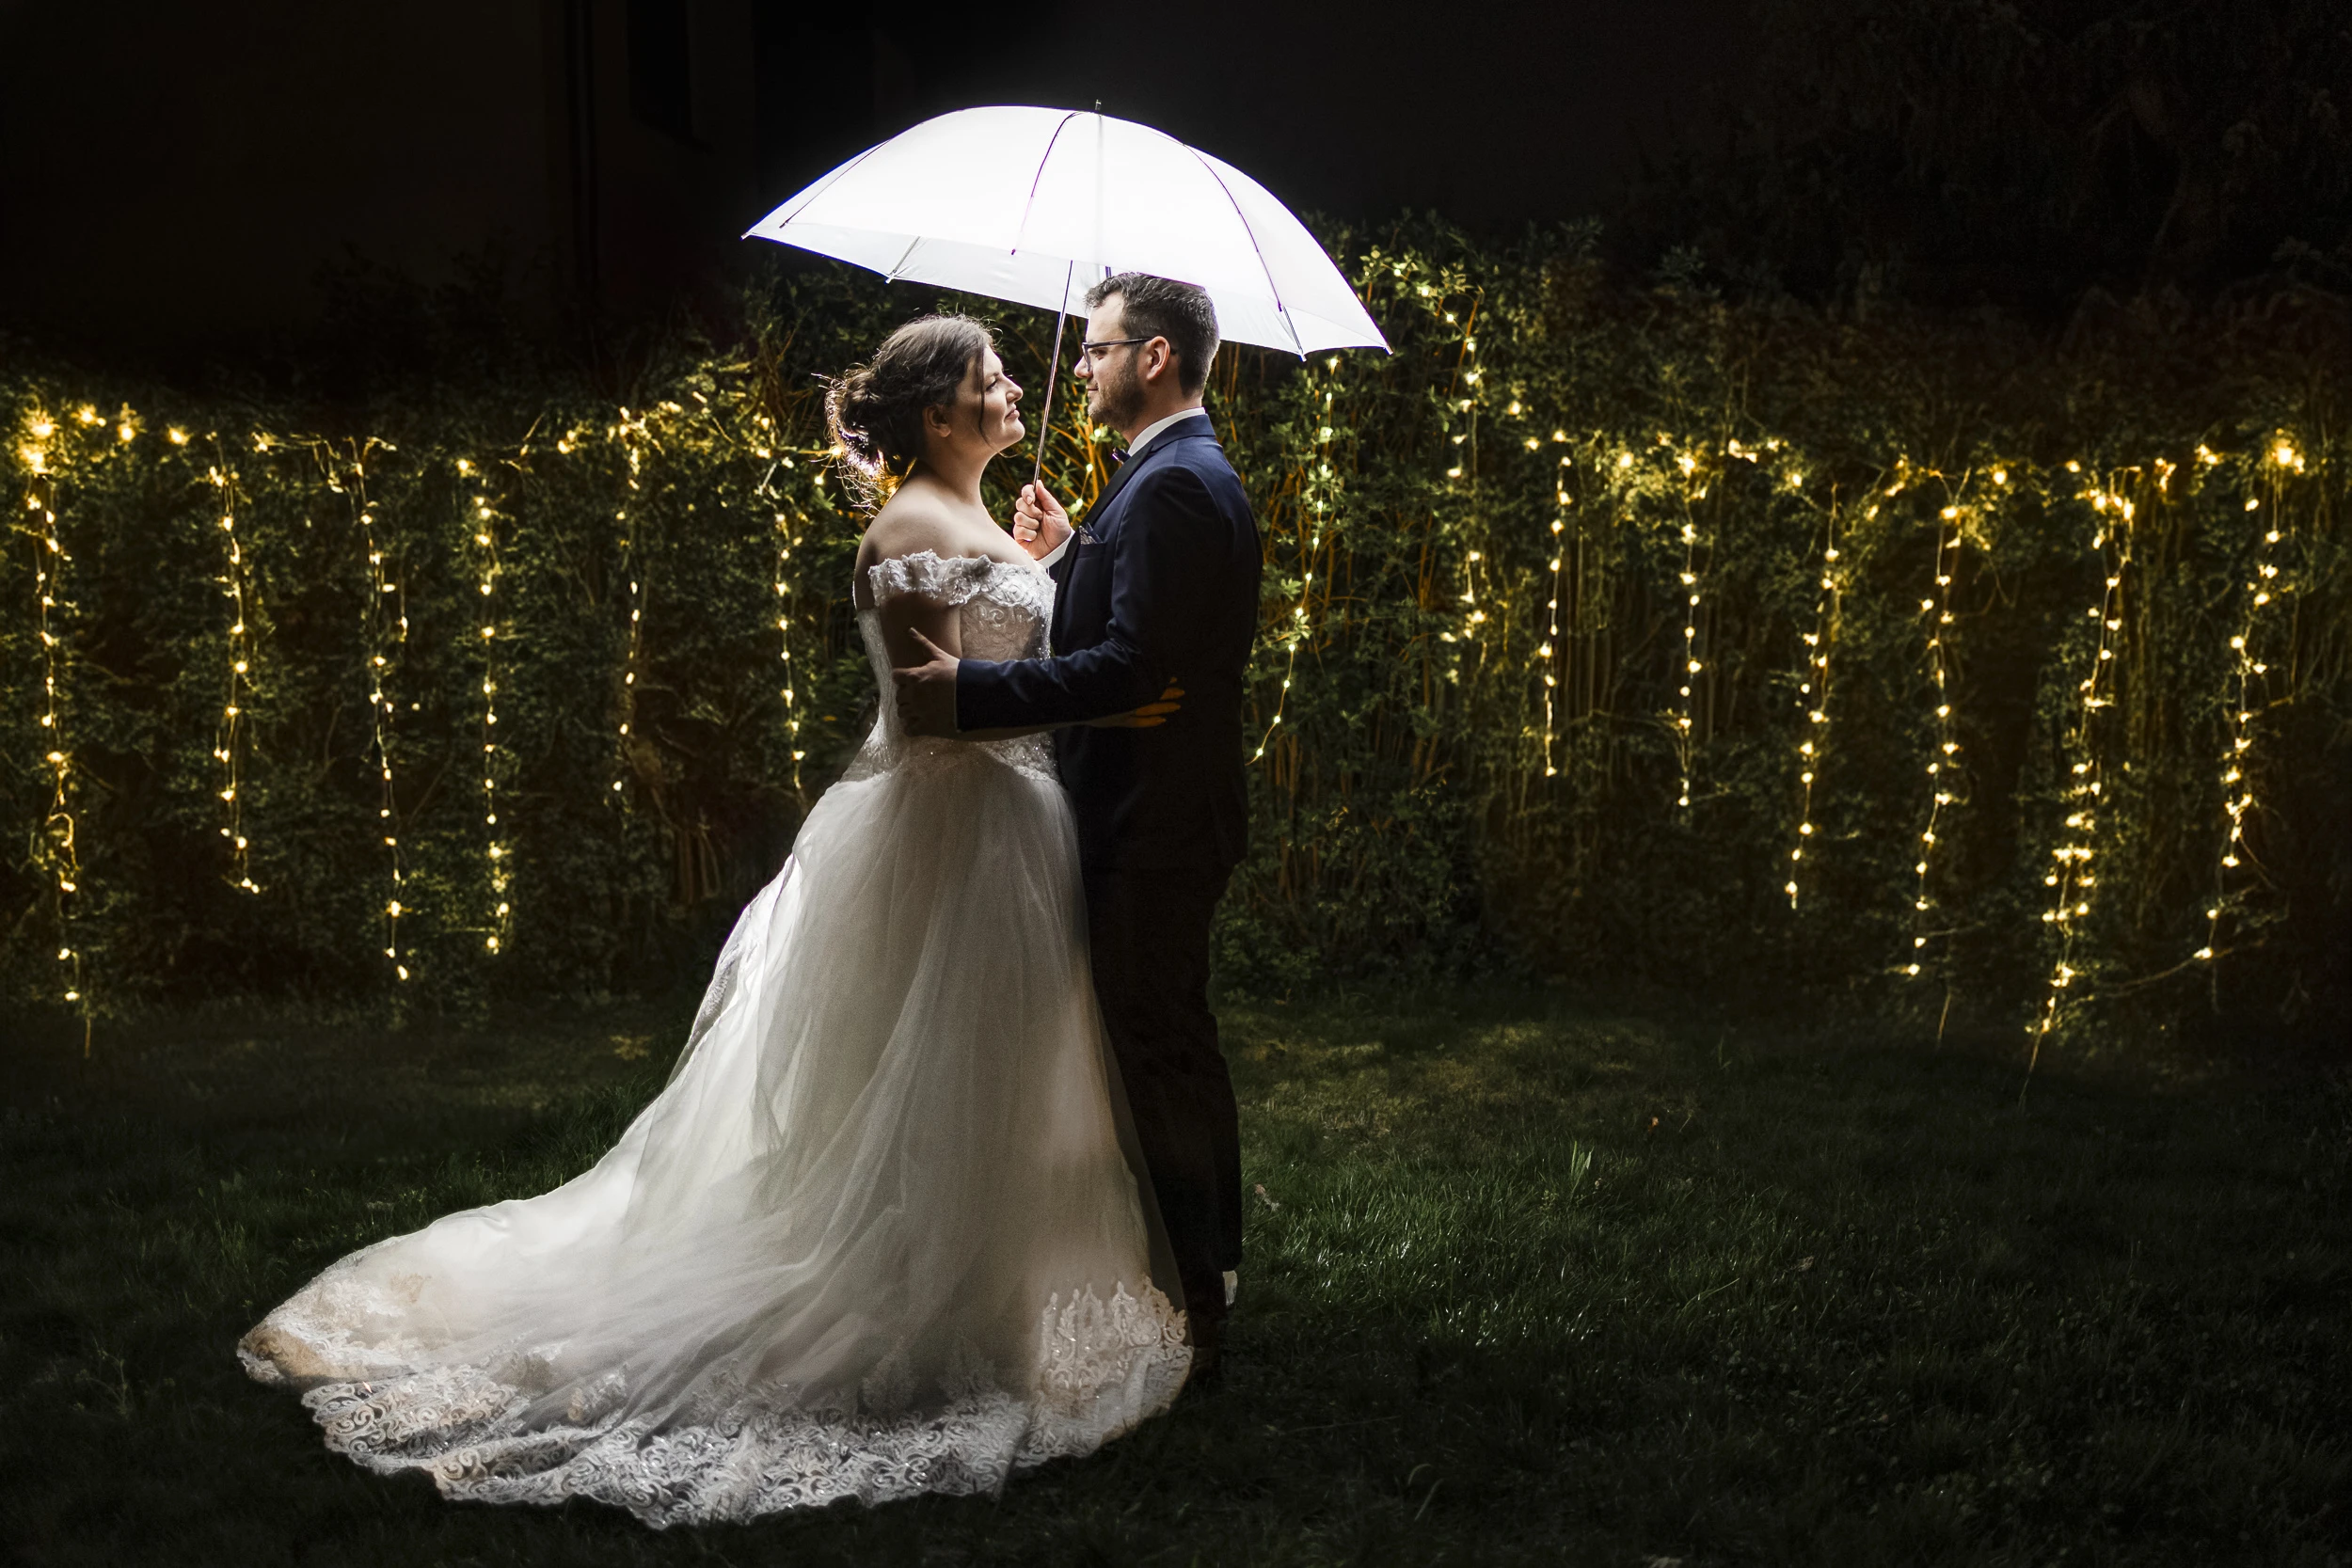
(1160, 584)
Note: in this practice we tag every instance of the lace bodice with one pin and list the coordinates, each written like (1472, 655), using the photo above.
(1004, 609)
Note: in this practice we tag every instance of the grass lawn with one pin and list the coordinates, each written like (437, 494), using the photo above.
(1524, 1285)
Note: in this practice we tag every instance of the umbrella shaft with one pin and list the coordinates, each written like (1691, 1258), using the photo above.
(1053, 369)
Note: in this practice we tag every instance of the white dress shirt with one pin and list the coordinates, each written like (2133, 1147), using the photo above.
(1144, 438)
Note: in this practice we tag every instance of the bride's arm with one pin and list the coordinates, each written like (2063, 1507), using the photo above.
(908, 545)
(904, 614)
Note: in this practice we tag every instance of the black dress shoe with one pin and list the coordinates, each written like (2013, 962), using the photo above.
(1208, 1350)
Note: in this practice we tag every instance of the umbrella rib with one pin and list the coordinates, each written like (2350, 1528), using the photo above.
(826, 185)
(893, 276)
(1281, 312)
(1037, 178)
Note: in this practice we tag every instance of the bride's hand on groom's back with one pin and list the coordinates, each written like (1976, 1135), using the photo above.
(1039, 523)
(1147, 717)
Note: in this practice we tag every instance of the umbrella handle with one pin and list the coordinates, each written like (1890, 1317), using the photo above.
(1053, 369)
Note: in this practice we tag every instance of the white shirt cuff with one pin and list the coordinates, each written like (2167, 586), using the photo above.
(1055, 554)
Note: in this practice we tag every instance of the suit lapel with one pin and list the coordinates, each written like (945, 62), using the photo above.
(1062, 571)
(1189, 429)
(1119, 481)
(1067, 566)
(1200, 425)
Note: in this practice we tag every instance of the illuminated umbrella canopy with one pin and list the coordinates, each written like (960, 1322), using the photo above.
(1037, 206)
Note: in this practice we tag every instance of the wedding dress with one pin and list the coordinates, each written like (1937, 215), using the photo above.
(880, 1234)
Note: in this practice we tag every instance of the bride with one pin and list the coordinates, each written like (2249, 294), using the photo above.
(884, 1232)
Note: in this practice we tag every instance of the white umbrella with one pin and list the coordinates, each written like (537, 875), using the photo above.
(1037, 206)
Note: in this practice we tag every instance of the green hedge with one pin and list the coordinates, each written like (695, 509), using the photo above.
(1471, 743)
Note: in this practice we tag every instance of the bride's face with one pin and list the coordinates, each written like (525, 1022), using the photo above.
(986, 412)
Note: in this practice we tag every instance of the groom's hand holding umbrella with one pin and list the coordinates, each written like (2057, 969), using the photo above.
(1039, 526)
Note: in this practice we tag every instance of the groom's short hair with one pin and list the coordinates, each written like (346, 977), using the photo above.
(1162, 308)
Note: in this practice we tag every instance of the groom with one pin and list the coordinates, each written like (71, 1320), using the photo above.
(1159, 588)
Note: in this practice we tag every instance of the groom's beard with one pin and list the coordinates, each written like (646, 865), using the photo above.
(1115, 399)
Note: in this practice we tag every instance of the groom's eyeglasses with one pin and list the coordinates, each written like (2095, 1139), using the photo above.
(1094, 352)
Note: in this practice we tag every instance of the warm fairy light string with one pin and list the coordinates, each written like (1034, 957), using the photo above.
(1318, 501)
(2070, 877)
(786, 540)
(1466, 457)
(817, 459)
(763, 447)
(349, 479)
(483, 528)
(1464, 402)
(1937, 608)
(1692, 664)
(1813, 691)
(2246, 668)
(61, 849)
(626, 431)
(1546, 662)
(784, 642)
(228, 738)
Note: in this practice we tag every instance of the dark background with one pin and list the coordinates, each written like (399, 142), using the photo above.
(174, 174)
(195, 181)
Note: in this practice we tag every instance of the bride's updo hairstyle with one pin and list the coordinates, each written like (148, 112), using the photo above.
(875, 409)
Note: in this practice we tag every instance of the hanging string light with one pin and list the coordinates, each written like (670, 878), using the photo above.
(2071, 878)
(384, 629)
(60, 846)
(1813, 691)
(628, 431)
(230, 743)
(2247, 681)
(784, 639)
(1935, 611)
(1692, 664)
(1461, 402)
(784, 541)
(1318, 502)
(1547, 657)
(496, 850)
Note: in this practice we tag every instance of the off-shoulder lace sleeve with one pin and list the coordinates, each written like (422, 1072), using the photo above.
(944, 581)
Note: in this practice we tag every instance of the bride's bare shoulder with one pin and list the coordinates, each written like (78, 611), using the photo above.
(919, 521)
(909, 523)
(916, 518)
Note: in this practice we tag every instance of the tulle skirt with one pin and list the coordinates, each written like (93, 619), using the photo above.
(882, 1233)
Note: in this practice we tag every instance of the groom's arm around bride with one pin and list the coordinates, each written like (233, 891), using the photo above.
(1160, 585)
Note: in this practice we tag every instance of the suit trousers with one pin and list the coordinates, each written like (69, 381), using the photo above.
(1149, 937)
